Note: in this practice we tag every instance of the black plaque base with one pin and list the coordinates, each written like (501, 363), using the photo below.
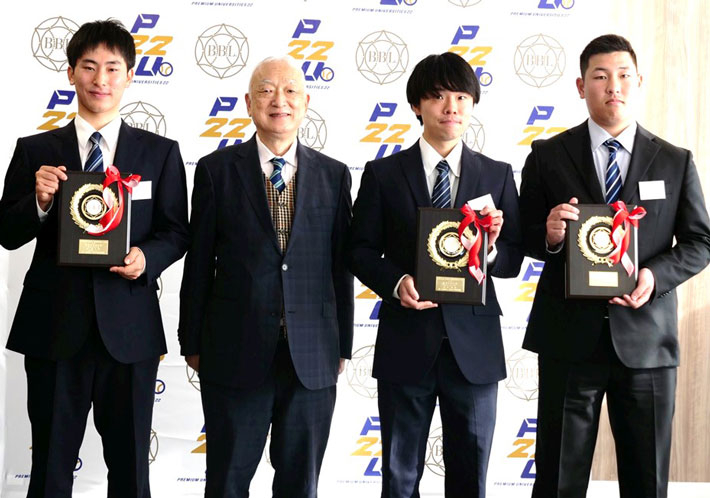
(79, 203)
(588, 273)
(442, 267)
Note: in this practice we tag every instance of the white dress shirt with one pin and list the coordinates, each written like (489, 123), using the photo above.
(265, 157)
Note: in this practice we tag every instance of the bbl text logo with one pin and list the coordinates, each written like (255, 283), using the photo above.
(222, 51)
(475, 55)
(359, 372)
(144, 116)
(313, 53)
(382, 57)
(381, 131)
(313, 132)
(539, 60)
(150, 48)
(50, 40)
(522, 379)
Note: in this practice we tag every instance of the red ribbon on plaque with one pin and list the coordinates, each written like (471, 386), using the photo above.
(621, 233)
(473, 247)
(114, 213)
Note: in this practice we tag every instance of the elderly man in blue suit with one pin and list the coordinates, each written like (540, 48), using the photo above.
(267, 302)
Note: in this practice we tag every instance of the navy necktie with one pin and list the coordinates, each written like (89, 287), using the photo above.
(613, 174)
(441, 196)
(95, 160)
(275, 177)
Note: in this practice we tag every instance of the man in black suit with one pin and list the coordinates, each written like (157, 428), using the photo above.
(426, 350)
(93, 336)
(266, 302)
(626, 348)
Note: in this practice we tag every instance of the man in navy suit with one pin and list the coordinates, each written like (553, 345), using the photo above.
(426, 350)
(627, 347)
(93, 336)
(266, 310)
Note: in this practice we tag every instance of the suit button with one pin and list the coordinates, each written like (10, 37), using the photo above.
(284, 267)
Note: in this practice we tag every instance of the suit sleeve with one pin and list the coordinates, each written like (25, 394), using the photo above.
(198, 272)
(691, 252)
(19, 221)
(534, 208)
(509, 244)
(342, 278)
(367, 241)
(169, 238)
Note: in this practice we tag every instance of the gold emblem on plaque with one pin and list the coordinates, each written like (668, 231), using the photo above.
(87, 205)
(594, 240)
(445, 248)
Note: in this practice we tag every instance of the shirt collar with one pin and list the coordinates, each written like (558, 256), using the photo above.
(599, 135)
(265, 155)
(109, 133)
(430, 157)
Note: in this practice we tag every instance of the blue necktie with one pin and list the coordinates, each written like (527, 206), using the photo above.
(613, 174)
(275, 177)
(95, 160)
(441, 196)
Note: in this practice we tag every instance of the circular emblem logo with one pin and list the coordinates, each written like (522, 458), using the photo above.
(159, 386)
(445, 248)
(539, 60)
(192, 377)
(144, 116)
(594, 240)
(222, 51)
(382, 57)
(313, 132)
(464, 3)
(522, 380)
(435, 452)
(153, 451)
(87, 205)
(50, 40)
(474, 136)
(358, 371)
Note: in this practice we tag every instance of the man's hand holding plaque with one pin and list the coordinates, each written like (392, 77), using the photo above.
(602, 257)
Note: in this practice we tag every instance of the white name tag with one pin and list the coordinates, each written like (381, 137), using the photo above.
(480, 202)
(649, 191)
(142, 191)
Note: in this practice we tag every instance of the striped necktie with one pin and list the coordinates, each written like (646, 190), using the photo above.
(613, 174)
(95, 160)
(441, 196)
(275, 177)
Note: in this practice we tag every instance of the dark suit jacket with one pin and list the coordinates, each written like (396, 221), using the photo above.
(385, 222)
(57, 306)
(562, 167)
(236, 277)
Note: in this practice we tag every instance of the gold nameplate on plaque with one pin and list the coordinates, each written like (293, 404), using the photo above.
(88, 246)
(450, 284)
(603, 279)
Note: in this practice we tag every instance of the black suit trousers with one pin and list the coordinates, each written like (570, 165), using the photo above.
(468, 413)
(640, 403)
(237, 424)
(59, 396)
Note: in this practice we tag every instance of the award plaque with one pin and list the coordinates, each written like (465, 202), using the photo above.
(442, 274)
(81, 206)
(590, 271)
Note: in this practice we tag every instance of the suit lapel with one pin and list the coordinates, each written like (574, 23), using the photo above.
(645, 150)
(126, 148)
(306, 182)
(413, 170)
(249, 171)
(68, 147)
(470, 177)
(578, 146)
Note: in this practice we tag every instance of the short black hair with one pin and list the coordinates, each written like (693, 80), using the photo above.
(447, 71)
(110, 33)
(605, 44)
